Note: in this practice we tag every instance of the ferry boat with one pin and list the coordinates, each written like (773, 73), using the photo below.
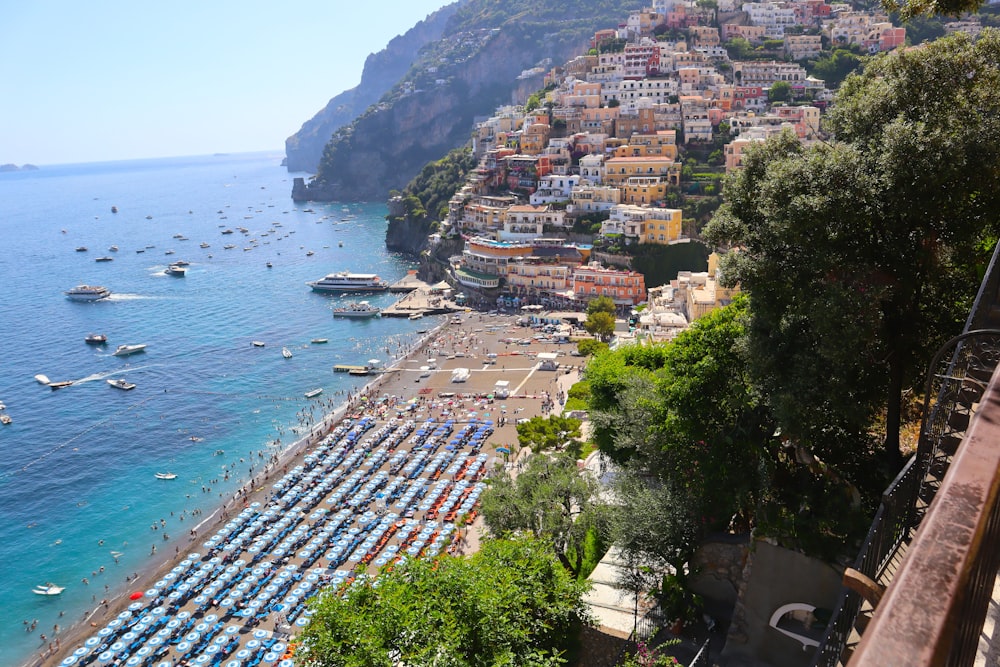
(125, 350)
(360, 309)
(88, 293)
(344, 281)
(121, 383)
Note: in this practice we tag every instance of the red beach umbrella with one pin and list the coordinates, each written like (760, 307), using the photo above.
(135, 596)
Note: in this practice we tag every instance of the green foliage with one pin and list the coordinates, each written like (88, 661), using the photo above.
(602, 304)
(860, 255)
(773, 44)
(600, 324)
(509, 604)
(550, 433)
(834, 67)
(551, 501)
(436, 183)
(780, 91)
(659, 264)
(590, 347)
(920, 29)
(912, 8)
(738, 48)
(595, 545)
(645, 656)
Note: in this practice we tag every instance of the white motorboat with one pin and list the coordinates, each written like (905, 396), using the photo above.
(165, 475)
(121, 383)
(48, 589)
(314, 392)
(125, 350)
(88, 293)
(257, 343)
(176, 270)
(416, 316)
(345, 281)
(286, 353)
(360, 309)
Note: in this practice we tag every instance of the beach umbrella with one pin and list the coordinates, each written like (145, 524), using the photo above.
(271, 656)
(71, 660)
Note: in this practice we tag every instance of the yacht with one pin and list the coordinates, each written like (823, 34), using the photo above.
(121, 383)
(176, 270)
(345, 281)
(360, 309)
(88, 293)
(125, 350)
(95, 339)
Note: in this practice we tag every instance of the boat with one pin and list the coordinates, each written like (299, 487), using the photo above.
(59, 385)
(181, 262)
(114, 209)
(269, 265)
(359, 309)
(416, 316)
(125, 350)
(121, 383)
(257, 343)
(205, 245)
(95, 339)
(82, 248)
(228, 246)
(88, 293)
(176, 270)
(165, 475)
(48, 589)
(344, 281)
(104, 259)
(113, 248)
(5, 419)
(314, 392)
(286, 353)
(227, 231)
(140, 251)
(320, 341)
(310, 253)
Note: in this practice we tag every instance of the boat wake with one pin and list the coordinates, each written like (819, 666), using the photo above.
(115, 296)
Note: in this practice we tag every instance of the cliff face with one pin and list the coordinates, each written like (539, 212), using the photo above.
(304, 149)
(384, 148)
(467, 73)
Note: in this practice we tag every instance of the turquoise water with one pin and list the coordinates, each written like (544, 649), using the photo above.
(77, 482)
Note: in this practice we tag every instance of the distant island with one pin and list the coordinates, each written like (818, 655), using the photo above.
(14, 167)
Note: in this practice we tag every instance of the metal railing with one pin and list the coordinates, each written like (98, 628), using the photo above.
(934, 609)
(955, 382)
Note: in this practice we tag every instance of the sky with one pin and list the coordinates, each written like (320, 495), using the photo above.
(116, 80)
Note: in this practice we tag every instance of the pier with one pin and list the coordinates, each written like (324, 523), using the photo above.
(420, 299)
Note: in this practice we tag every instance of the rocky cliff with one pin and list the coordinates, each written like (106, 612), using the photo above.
(469, 72)
(381, 72)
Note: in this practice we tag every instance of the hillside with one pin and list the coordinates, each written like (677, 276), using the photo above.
(478, 64)
(381, 72)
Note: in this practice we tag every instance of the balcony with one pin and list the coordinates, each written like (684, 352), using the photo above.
(924, 589)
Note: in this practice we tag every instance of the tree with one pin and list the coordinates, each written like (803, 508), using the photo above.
(550, 500)
(860, 256)
(588, 347)
(549, 433)
(780, 91)
(511, 603)
(602, 304)
(600, 324)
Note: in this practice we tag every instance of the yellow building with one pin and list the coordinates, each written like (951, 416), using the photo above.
(618, 170)
(643, 190)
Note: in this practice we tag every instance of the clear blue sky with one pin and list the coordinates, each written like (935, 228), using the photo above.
(111, 80)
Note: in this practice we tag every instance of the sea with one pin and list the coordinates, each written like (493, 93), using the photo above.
(80, 505)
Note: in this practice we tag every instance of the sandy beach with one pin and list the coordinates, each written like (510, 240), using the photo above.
(491, 347)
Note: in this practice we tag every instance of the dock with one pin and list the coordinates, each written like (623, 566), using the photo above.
(420, 299)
